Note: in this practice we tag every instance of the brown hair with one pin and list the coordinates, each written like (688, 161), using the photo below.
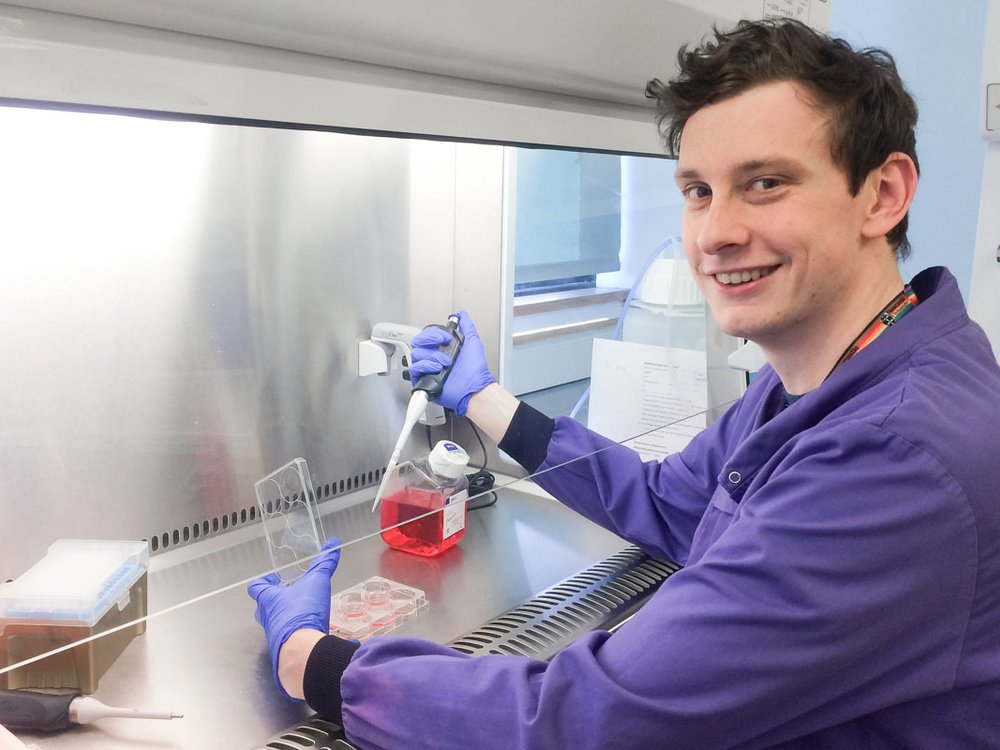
(871, 115)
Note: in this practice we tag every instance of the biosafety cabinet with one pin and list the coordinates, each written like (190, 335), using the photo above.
(208, 209)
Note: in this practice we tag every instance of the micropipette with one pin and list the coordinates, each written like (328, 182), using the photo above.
(424, 389)
(25, 709)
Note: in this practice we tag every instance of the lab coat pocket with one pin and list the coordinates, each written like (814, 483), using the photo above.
(723, 502)
(719, 516)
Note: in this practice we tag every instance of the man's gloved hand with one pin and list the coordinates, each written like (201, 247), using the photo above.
(305, 603)
(470, 373)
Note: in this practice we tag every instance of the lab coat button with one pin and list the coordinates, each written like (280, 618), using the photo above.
(735, 477)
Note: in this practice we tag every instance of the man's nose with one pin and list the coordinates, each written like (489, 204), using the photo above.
(722, 226)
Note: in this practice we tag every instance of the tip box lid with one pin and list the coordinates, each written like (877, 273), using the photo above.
(76, 582)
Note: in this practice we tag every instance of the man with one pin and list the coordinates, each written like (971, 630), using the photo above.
(839, 525)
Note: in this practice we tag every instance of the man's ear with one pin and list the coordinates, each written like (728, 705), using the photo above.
(891, 187)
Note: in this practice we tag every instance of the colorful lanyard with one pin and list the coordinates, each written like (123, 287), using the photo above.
(891, 314)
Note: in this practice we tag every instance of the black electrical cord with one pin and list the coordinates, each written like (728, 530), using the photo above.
(482, 446)
(481, 483)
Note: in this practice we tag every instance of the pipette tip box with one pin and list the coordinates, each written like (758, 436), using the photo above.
(80, 588)
(374, 607)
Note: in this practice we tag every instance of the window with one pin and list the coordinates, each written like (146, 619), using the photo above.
(568, 220)
(582, 226)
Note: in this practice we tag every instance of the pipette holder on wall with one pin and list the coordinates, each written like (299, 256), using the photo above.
(388, 350)
(291, 522)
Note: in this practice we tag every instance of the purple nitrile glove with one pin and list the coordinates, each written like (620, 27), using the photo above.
(305, 603)
(470, 373)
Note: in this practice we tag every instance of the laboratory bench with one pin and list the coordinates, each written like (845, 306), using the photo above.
(203, 654)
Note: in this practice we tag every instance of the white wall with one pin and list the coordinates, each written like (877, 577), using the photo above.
(984, 301)
(938, 47)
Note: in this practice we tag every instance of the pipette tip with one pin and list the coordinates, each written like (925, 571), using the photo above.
(414, 409)
(381, 485)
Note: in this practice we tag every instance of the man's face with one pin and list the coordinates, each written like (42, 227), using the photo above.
(770, 228)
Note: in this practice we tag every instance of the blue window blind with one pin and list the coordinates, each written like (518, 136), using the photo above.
(568, 220)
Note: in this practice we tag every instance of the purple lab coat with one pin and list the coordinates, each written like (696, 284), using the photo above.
(841, 586)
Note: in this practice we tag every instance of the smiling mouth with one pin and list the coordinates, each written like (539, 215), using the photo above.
(735, 278)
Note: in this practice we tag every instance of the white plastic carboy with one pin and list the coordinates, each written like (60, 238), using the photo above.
(668, 308)
(415, 489)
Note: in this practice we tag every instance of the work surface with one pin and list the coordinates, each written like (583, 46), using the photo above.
(203, 653)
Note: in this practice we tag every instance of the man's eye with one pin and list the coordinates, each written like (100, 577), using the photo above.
(696, 192)
(765, 183)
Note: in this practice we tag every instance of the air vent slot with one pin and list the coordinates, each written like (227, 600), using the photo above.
(596, 599)
(171, 538)
(317, 734)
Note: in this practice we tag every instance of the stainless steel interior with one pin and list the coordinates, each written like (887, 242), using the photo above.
(183, 304)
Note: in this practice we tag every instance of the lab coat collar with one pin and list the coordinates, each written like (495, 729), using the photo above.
(940, 310)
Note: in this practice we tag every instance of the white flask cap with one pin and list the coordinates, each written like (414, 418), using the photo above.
(448, 459)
